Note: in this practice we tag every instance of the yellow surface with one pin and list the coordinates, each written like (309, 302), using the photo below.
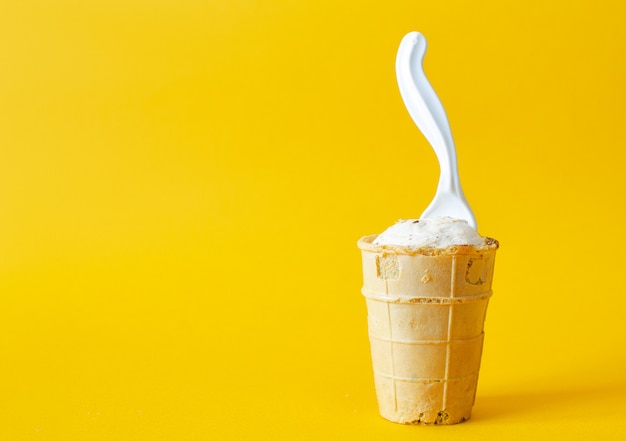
(182, 185)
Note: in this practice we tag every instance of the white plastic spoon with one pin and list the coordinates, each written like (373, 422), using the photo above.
(428, 114)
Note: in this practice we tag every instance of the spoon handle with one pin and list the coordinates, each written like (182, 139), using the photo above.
(426, 109)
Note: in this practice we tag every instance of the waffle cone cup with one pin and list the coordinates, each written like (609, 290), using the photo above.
(426, 311)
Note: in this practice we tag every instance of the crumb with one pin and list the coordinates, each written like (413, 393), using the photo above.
(426, 277)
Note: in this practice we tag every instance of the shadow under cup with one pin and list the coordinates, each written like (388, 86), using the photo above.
(426, 310)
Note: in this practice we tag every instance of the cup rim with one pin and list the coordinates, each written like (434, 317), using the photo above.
(365, 244)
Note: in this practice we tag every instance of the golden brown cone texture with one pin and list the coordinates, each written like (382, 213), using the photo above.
(426, 310)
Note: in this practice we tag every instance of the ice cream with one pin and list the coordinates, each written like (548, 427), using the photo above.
(438, 232)
(427, 285)
(427, 282)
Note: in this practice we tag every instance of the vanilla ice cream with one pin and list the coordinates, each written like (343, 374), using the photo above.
(437, 232)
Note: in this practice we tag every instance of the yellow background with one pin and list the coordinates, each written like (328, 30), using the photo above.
(182, 185)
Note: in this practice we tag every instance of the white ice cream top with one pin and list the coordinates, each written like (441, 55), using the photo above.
(437, 232)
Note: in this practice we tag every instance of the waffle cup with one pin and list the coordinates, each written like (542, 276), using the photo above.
(426, 310)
